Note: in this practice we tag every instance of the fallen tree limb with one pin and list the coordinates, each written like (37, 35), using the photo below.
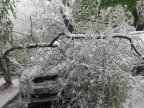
(70, 36)
(130, 40)
(51, 44)
(83, 36)
(56, 38)
(29, 46)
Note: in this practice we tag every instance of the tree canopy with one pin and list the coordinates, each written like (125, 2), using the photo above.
(6, 8)
(91, 6)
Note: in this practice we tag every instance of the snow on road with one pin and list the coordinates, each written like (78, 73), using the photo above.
(2, 81)
(8, 93)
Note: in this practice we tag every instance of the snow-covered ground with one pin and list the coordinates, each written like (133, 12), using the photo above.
(136, 94)
(8, 93)
(2, 81)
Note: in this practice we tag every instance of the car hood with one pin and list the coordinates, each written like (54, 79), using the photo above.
(39, 70)
(30, 72)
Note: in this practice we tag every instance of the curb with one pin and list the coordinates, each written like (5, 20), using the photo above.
(11, 100)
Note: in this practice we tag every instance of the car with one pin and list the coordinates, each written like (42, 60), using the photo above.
(39, 83)
(138, 69)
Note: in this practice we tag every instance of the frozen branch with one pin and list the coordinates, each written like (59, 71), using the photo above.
(29, 46)
(32, 31)
(130, 40)
(56, 38)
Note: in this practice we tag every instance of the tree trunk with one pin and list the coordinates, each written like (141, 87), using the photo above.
(136, 23)
(6, 73)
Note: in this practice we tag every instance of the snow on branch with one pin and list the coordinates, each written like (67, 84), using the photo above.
(70, 36)
(29, 46)
(83, 36)
(43, 45)
(130, 40)
(75, 36)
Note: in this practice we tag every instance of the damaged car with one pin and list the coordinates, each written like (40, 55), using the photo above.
(39, 84)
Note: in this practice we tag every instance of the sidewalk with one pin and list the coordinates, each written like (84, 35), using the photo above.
(7, 94)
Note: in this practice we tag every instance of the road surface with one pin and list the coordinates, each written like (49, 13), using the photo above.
(16, 104)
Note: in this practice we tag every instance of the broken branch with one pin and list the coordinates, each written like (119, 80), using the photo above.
(32, 31)
(29, 46)
(130, 40)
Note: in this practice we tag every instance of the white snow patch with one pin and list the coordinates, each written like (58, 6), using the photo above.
(9, 93)
(136, 94)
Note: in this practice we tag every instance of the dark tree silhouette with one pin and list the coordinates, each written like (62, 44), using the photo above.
(67, 22)
(136, 23)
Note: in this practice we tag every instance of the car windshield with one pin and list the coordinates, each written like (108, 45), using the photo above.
(41, 79)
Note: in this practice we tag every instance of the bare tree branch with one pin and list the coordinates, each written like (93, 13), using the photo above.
(29, 46)
(56, 38)
(82, 36)
(16, 32)
(72, 36)
(130, 40)
(51, 44)
(20, 33)
(32, 31)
